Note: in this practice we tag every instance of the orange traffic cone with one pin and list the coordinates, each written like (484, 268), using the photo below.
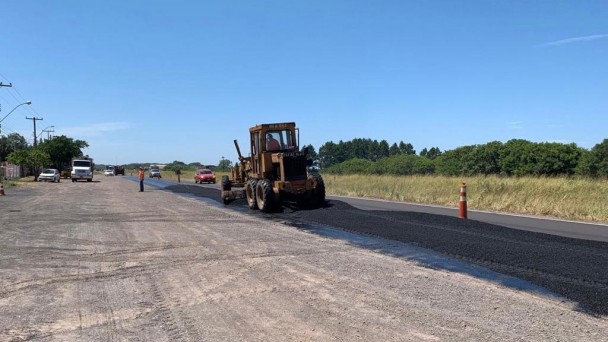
(2, 189)
(462, 204)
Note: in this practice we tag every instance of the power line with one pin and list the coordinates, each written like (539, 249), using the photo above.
(29, 108)
(23, 99)
(14, 89)
(4, 128)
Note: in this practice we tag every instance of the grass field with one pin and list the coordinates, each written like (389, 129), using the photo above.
(567, 198)
(562, 197)
(570, 198)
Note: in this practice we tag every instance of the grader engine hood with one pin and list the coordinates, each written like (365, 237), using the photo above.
(277, 157)
(292, 164)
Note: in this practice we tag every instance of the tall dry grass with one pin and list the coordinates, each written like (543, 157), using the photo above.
(567, 198)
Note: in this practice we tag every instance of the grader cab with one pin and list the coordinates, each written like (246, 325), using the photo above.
(275, 171)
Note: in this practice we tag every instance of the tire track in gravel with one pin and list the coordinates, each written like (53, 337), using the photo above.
(139, 270)
(570, 267)
(164, 313)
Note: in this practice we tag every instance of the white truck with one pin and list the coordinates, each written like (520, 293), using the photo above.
(82, 168)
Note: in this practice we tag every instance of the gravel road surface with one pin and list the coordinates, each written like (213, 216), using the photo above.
(574, 268)
(102, 262)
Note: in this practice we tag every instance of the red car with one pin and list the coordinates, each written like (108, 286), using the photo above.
(204, 175)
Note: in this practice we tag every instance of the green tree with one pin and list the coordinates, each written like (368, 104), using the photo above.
(343, 151)
(396, 165)
(328, 154)
(595, 163)
(356, 148)
(312, 156)
(196, 165)
(39, 158)
(406, 148)
(352, 166)
(224, 164)
(178, 165)
(61, 150)
(483, 159)
(423, 166)
(554, 159)
(453, 162)
(584, 165)
(34, 158)
(383, 149)
(373, 151)
(394, 150)
(433, 153)
(518, 158)
(19, 157)
(424, 152)
(312, 153)
(11, 143)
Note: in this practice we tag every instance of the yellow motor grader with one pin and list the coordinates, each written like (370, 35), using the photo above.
(275, 171)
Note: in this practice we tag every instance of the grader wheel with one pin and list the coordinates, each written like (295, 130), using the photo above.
(250, 190)
(265, 195)
(318, 193)
(226, 185)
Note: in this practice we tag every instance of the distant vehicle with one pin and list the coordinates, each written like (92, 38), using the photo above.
(155, 173)
(52, 175)
(65, 173)
(119, 170)
(108, 172)
(82, 168)
(116, 170)
(204, 175)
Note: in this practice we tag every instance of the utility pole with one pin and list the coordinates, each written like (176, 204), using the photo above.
(4, 85)
(34, 119)
(3, 171)
(48, 134)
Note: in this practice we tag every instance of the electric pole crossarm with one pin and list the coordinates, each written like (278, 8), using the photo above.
(35, 137)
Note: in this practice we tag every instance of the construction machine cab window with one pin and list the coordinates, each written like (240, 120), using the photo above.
(255, 143)
(280, 140)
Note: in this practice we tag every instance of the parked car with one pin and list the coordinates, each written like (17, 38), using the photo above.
(155, 173)
(204, 175)
(52, 175)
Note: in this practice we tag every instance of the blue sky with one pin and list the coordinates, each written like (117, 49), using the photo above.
(158, 81)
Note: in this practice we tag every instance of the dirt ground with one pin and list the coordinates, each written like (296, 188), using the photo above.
(102, 262)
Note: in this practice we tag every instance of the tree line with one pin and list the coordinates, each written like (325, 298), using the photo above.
(223, 165)
(516, 157)
(56, 153)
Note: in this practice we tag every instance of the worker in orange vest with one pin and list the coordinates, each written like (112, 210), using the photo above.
(140, 175)
(272, 144)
